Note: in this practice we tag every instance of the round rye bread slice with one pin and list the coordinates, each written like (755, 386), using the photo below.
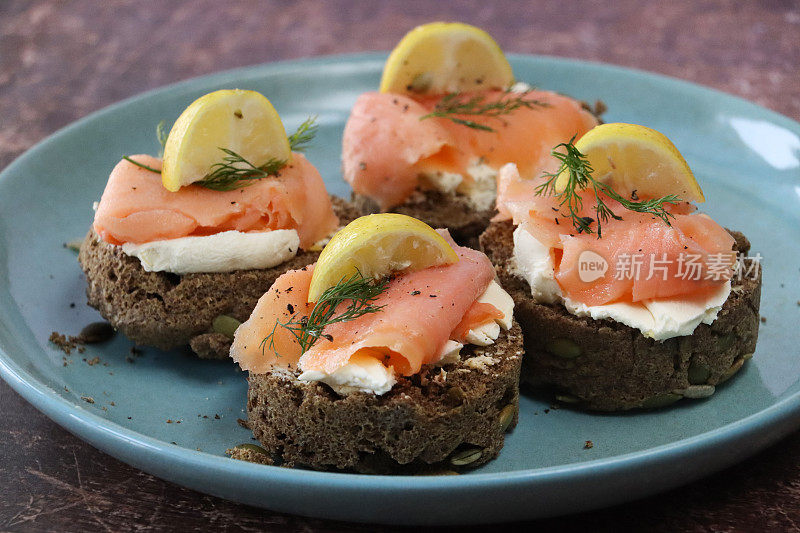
(168, 310)
(607, 366)
(443, 418)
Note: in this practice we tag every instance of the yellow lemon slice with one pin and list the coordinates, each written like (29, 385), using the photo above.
(376, 246)
(242, 121)
(443, 57)
(629, 157)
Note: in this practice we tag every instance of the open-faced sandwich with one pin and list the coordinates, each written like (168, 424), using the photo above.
(626, 296)
(181, 249)
(448, 115)
(395, 351)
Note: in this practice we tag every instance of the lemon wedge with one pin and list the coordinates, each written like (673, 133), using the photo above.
(630, 157)
(242, 121)
(376, 246)
(443, 57)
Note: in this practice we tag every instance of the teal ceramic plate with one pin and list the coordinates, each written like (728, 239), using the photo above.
(746, 158)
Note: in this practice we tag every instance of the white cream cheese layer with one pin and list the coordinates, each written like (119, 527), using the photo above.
(486, 333)
(222, 252)
(534, 264)
(364, 373)
(480, 190)
(659, 319)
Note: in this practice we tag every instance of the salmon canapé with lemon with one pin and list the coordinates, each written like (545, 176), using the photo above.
(447, 116)
(628, 297)
(397, 344)
(181, 248)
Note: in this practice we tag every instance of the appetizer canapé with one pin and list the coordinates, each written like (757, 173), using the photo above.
(448, 115)
(626, 296)
(396, 350)
(199, 238)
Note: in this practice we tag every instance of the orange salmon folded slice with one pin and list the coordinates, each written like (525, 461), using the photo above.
(478, 313)
(136, 208)
(386, 146)
(286, 299)
(421, 311)
(645, 257)
(648, 259)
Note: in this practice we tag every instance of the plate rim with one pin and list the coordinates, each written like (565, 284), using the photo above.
(769, 424)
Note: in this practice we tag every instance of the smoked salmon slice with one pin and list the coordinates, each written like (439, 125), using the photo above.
(386, 145)
(646, 258)
(136, 208)
(478, 313)
(287, 298)
(421, 311)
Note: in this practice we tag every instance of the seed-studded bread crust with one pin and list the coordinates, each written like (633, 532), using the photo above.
(439, 210)
(167, 310)
(424, 420)
(606, 366)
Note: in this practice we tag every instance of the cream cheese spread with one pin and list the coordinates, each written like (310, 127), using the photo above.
(363, 373)
(480, 191)
(221, 252)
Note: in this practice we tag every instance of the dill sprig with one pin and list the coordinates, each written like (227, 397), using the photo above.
(142, 165)
(579, 172)
(357, 290)
(455, 105)
(304, 134)
(234, 171)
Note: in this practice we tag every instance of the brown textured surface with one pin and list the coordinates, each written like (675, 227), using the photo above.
(618, 368)
(421, 421)
(60, 61)
(165, 310)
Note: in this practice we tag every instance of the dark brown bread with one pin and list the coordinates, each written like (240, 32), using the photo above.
(439, 210)
(167, 310)
(607, 366)
(427, 419)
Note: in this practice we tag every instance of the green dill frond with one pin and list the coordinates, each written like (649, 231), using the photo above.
(357, 291)
(234, 171)
(140, 165)
(305, 133)
(579, 172)
(453, 106)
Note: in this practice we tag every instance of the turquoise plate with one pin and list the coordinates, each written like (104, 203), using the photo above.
(746, 157)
